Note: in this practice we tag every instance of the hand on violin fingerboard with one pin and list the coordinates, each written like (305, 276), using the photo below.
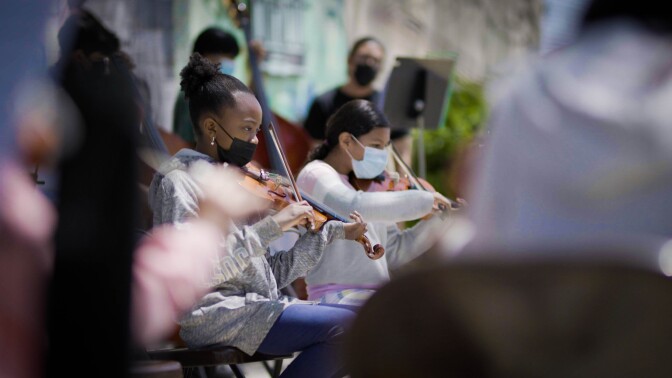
(355, 229)
(295, 214)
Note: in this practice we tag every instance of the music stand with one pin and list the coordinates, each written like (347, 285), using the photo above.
(416, 95)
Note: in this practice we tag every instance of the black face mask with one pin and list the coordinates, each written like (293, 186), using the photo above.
(239, 154)
(364, 74)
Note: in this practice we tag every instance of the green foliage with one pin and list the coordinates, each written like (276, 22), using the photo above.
(467, 113)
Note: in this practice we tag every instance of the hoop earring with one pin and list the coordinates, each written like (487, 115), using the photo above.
(212, 143)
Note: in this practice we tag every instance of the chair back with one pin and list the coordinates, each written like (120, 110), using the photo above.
(517, 319)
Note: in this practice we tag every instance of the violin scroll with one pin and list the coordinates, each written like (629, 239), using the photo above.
(375, 252)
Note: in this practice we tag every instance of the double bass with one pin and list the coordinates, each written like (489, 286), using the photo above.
(293, 137)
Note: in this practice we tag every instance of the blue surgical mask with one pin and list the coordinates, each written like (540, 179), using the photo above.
(373, 163)
(227, 66)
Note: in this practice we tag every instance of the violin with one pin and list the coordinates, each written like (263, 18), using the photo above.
(282, 192)
(392, 181)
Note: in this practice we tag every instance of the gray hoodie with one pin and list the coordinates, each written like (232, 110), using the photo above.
(245, 301)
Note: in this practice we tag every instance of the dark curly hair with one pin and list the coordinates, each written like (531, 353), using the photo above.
(206, 89)
(356, 117)
(83, 31)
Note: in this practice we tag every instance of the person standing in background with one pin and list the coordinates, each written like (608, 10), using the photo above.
(97, 196)
(364, 61)
(581, 141)
(218, 46)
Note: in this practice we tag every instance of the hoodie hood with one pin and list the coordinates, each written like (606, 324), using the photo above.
(177, 166)
(183, 159)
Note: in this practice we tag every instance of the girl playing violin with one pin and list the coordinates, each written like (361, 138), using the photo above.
(356, 136)
(245, 308)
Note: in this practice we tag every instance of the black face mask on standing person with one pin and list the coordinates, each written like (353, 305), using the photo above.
(364, 74)
(239, 154)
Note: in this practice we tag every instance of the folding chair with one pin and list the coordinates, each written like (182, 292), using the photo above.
(194, 361)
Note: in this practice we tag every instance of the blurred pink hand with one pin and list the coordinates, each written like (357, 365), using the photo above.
(222, 198)
(27, 222)
(172, 266)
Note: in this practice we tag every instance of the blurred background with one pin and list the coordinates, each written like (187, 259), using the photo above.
(307, 42)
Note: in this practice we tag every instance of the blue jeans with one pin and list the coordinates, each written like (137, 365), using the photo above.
(314, 330)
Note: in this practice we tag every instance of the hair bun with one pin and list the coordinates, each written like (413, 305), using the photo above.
(198, 72)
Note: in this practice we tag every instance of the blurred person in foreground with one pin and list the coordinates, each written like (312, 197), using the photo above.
(44, 127)
(580, 147)
(571, 201)
(127, 288)
(24, 223)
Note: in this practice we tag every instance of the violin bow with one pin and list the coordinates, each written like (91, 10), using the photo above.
(283, 158)
(413, 178)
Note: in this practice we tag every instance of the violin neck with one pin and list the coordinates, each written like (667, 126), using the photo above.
(324, 209)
